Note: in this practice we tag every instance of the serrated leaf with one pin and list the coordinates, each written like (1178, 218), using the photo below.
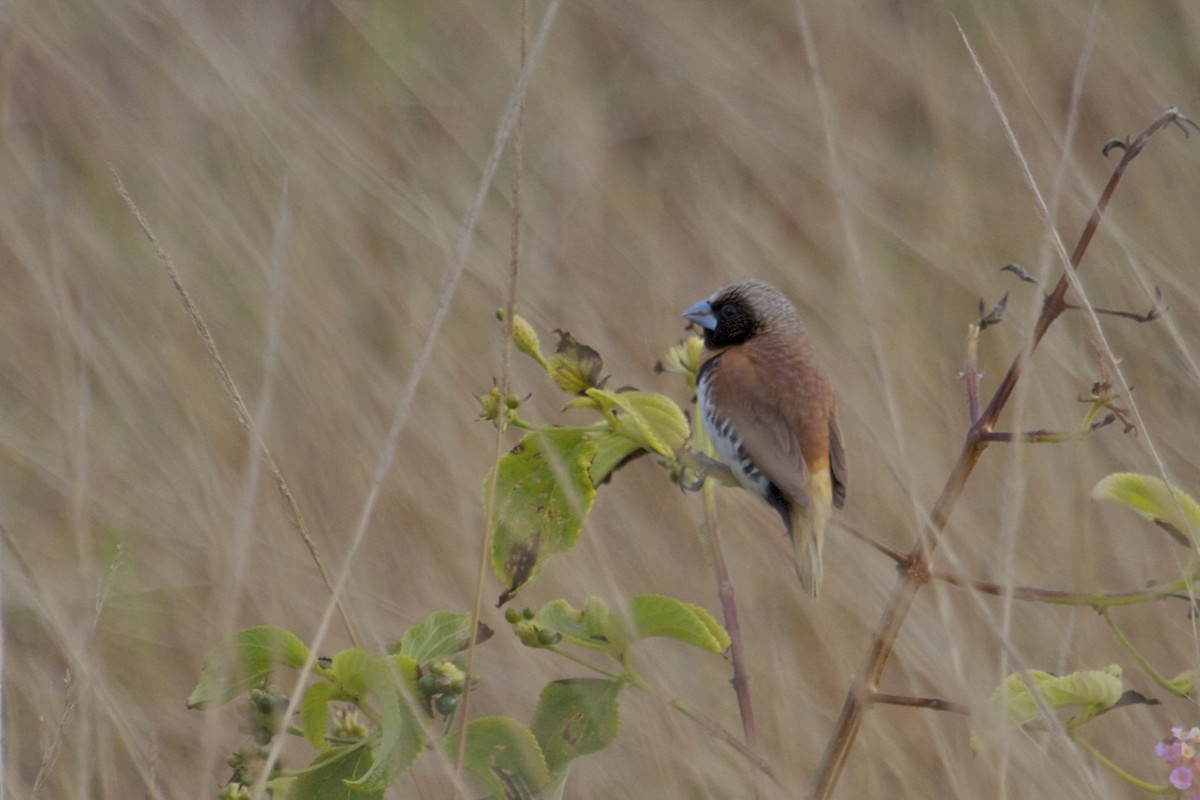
(244, 661)
(651, 420)
(659, 615)
(1092, 691)
(591, 626)
(1154, 499)
(576, 717)
(314, 713)
(442, 634)
(401, 737)
(543, 494)
(327, 776)
(503, 754)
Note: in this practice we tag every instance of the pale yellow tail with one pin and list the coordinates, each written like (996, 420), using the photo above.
(808, 531)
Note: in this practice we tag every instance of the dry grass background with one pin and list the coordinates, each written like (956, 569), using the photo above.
(307, 166)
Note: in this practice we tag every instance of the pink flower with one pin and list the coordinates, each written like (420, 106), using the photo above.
(1181, 752)
(1169, 751)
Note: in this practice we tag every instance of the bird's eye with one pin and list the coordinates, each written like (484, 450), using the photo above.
(730, 310)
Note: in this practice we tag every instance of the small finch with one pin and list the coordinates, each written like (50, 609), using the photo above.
(769, 409)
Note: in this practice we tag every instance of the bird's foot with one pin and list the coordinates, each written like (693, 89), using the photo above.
(702, 467)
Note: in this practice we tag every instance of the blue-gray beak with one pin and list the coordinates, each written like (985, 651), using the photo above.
(702, 315)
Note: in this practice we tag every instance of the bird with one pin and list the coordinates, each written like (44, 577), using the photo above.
(769, 409)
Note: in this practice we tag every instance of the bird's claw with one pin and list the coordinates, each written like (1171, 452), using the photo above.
(703, 467)
(691, 486)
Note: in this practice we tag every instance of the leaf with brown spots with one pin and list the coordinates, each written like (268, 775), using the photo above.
(544, 492)
(576, 717)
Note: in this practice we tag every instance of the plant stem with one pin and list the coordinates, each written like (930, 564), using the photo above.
(628, 675)
(971, 373)
(1096, 600)
(932, 703)
(1145, 786)
(1133, 651)
(741, 680)
(509, 317)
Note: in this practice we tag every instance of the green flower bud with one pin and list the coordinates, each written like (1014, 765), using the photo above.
(684, 358)
(347, 725)
(490, 405)
(527, 631)
(526, 339)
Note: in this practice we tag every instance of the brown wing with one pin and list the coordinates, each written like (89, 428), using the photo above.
(770, 394)
(837, 459)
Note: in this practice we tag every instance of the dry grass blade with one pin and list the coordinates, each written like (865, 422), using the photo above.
(235, 398)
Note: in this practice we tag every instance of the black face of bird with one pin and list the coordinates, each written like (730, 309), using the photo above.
(725, 319)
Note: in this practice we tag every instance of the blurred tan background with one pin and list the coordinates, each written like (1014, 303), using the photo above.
(307, 166)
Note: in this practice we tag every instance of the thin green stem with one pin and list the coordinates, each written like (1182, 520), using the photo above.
(1145, 786)
(567, 654)
(1133, 651)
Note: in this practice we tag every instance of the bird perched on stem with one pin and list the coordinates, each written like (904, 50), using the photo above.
(769, 409)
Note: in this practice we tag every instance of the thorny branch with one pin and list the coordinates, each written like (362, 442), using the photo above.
(910, 581)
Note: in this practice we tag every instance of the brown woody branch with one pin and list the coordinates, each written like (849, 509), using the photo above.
(910, 581)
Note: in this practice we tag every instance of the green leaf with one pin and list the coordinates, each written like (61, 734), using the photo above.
(1092, 691)
(406, 668)
(1184, 684)
(574, 367)
(659, 615)
(576, 717)
(401, 738)
(611, 450)
(441, 634)
(1154, 499)
(350, 669)
(314, 713)
(543, 494)
(592, 626)
(503, 754)
(244, 661)
(327, 776)
(651, 420)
